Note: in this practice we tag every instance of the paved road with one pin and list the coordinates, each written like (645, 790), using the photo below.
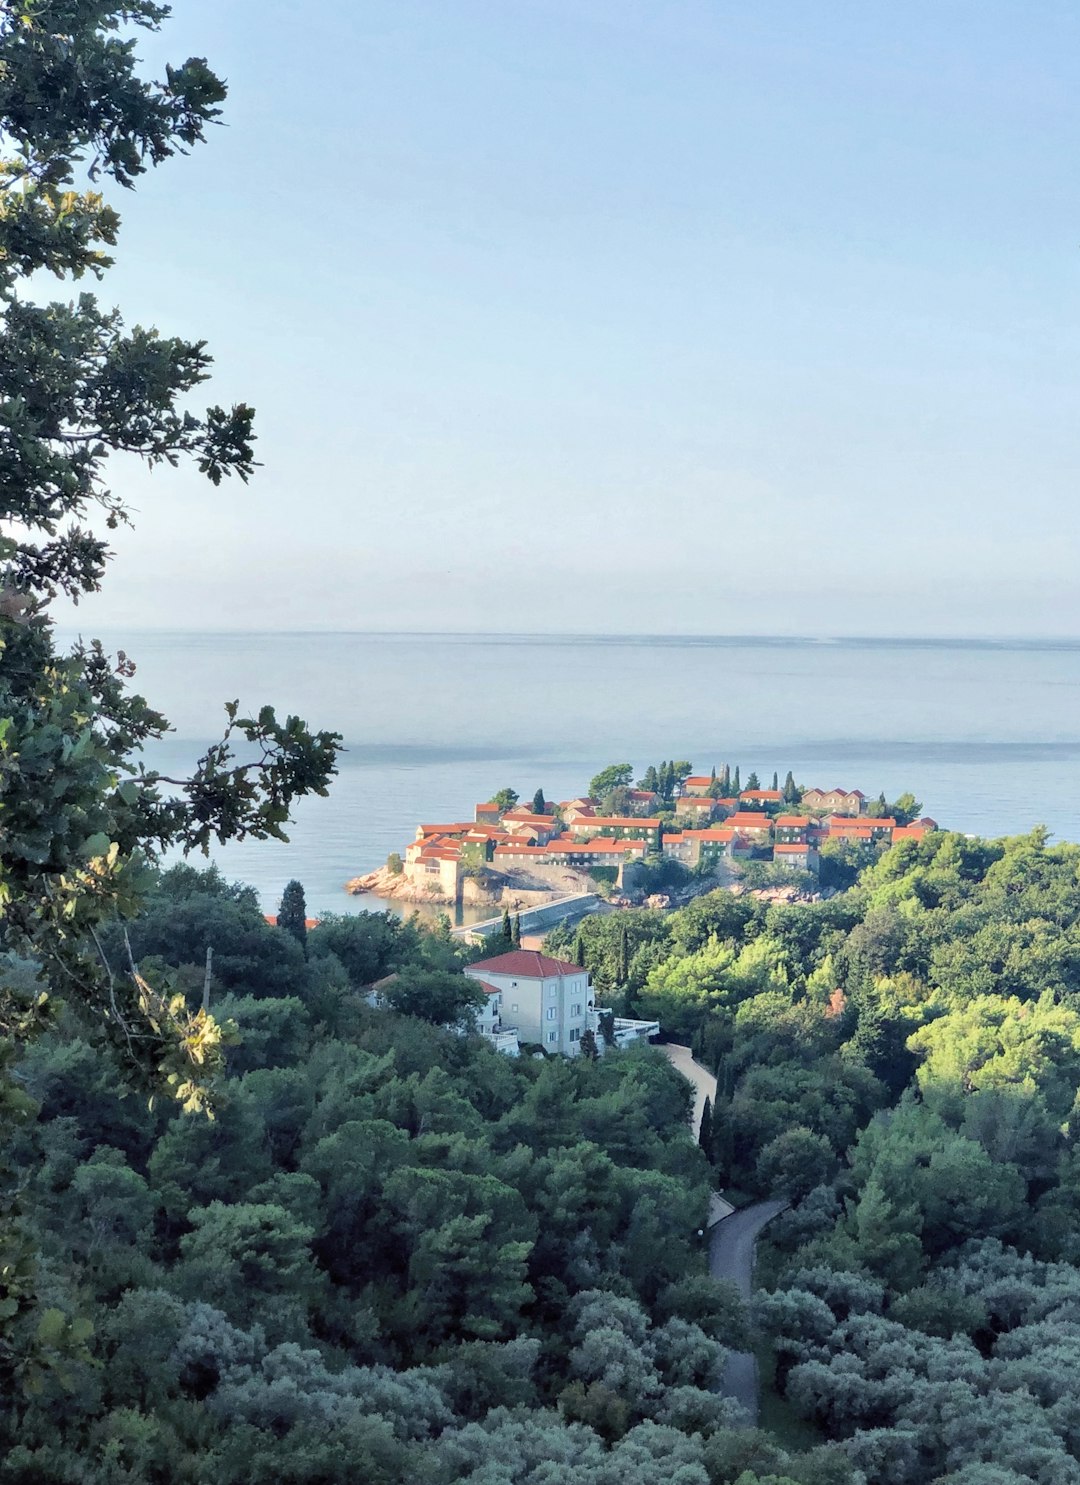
(703, 1080)
(731, 1256)
(704, 1088)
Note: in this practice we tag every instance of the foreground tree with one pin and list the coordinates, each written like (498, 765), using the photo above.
(82, 812)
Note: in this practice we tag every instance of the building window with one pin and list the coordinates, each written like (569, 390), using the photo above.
(513, 1007)
(575, 1010)
(552, 992)
(552, 1012)
(553, 1036)
(574, 1034)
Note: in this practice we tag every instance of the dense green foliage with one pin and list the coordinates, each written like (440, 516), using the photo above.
(903, 1062)
(394, 1255)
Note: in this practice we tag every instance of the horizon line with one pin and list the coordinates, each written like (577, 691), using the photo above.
(687, 636)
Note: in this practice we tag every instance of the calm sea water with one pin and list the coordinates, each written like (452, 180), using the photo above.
(987, 735)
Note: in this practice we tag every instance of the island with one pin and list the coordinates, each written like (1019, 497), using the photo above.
(663, 839)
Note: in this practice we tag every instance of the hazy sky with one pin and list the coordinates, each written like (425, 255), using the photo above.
(623, 315)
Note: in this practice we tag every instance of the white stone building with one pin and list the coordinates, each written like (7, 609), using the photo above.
(548, 1001)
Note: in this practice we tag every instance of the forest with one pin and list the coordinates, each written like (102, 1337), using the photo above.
(902, 1062)
(392, 1254)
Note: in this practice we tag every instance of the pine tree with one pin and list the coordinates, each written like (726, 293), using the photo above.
(753, 782)
(705, 1134)
(292, 914)
(516, 936)
(649, 780)
(539, 803)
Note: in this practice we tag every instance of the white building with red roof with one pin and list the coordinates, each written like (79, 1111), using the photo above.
(549, 1002)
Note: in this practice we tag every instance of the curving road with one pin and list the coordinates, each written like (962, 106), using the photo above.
(731, 1256)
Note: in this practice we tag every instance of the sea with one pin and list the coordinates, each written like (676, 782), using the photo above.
(986, 733)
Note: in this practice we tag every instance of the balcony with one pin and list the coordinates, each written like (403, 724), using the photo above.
(503, 1038)
(627, 1031)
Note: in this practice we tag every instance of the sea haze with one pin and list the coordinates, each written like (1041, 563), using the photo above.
(985, 732)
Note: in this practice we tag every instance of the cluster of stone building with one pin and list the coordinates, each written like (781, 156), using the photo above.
(577, 835)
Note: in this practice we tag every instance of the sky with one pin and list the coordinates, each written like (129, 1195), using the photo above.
(621, 316)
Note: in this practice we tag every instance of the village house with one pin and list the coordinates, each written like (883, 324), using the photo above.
(691, 847)
(434, 865)
(570, 809)
(550, 1002)
(694, 807)
(525, 822)
(617, 826)
(844, 827)
(751, 824)
(834, 801)
(698, 784)
(760, 798)
(488, 814)
(567, 851)
(642, 801)
(797, 856)
(791, 828)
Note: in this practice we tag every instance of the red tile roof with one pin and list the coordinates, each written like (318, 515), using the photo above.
(529, 964)
(714, 832)
(597, 822)
(699, 781)
(772, 794)
(792, 821)
(308, 922)
(751, 820)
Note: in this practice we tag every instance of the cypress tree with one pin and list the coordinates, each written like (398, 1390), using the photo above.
(720, 1139)
(624, 955)
(791, 792)
(589, 1049)
(578, 950)
(292, 914)
(516, 937)
(705, 1134)
(539, 803)
(725, 782)
(775, 780)
(507, 930)
(736, 787)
